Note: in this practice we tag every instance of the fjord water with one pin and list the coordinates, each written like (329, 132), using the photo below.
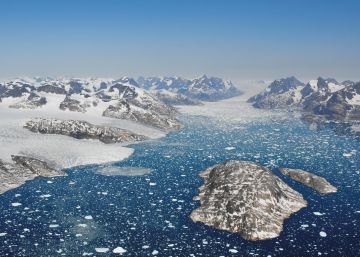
(148, 215)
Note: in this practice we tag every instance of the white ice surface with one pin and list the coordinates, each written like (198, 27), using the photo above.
(235, 108)
(62, 151)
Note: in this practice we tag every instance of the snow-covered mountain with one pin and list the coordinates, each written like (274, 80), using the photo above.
(121, 98)
(203, 88)
(324, 97)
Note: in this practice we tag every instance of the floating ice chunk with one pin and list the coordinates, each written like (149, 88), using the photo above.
(53, 225)
(88, 217)
(229, 148)
(45, 196)
(119, 250)
(3, 234)
(15, 204)
(145, 247)
(323, 234)
(318, 213)
(121, 171)
(17, 195)
(155, 252)
(233, 250)
(152, 184)
(102, 250)
(347, 154)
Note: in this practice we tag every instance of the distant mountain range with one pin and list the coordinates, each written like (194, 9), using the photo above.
(191, 91)
(322, 98)
(147, 100)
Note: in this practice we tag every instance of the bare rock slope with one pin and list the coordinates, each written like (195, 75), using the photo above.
(82, 130)
(315, 182)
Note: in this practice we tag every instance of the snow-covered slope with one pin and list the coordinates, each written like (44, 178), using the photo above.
(90, 95)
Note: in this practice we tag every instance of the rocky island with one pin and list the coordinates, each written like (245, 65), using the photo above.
(245, 198)
(82, 130)
(24, 169)
(315, 182)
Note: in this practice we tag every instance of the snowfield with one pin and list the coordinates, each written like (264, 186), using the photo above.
(62, 151)
(235, 109)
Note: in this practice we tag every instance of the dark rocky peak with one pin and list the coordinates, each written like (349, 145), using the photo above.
(127, 81)
(347, 83)
(76, 87)
(16, 89)
(53, 88)
(124, 90)
(284, 85)
(331, 80)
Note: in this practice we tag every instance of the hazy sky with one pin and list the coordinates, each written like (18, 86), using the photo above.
(232, 39)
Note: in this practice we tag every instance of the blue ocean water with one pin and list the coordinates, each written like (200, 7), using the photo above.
(149, 215)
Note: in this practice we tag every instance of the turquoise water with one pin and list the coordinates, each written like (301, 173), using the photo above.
(148, 215)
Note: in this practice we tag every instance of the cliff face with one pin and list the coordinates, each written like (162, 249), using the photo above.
(245, 198)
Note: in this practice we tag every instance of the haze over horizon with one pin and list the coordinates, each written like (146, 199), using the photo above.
(237, 40)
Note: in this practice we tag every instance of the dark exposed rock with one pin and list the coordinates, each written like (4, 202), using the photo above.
(52, 89)
(31, 102)
(315, 182)
(13, 89)
(171, 98)
(24, 169)
(82, 130)
(145, 116)
(245, 198)
(73, 105)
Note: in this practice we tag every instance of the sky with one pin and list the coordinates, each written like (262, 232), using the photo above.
(238, 40)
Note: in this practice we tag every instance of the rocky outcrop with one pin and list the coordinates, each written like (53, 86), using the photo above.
(245, 198)
(24, 169)
(315, 182)
(172, 98)
(123, 110)
(279, 94)
(33, 101)
(54, 89)
(82, 130)
(74, 105)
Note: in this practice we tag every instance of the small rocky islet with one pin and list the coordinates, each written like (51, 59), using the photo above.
(246, 198)
(315, 182)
